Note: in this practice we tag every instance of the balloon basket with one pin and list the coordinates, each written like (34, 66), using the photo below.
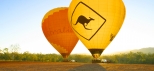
(66, 60)
(96, 61)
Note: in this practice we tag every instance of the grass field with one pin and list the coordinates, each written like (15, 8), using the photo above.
(68, 66)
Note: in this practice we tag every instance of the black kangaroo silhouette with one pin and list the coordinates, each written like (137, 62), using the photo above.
(83, 20)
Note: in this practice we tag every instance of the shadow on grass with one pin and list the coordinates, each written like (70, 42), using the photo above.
(89, 67)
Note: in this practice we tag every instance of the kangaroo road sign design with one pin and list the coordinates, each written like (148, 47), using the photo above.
(86, 23)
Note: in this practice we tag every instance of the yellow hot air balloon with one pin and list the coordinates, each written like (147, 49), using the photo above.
(96, 22)
(58, 32)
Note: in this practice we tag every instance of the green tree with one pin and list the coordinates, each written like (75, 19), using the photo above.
(14, 51)
(6, 55)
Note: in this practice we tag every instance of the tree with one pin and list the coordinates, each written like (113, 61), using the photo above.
(6, 55)
(1, 51)
(14, 48)
(5, 50)
(14, 51)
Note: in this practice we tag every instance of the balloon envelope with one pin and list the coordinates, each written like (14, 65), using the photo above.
(96, 22)
(57, 30)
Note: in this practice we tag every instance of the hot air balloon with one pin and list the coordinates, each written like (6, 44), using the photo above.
(96, 22)
(58, 32)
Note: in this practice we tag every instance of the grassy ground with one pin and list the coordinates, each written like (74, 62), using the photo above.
(68, 66)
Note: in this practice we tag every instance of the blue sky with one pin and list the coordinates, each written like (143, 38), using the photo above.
(20, 23)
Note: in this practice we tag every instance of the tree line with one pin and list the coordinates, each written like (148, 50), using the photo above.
(12, 54)
(131, 58)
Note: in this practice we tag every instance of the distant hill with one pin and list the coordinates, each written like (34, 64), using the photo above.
(144, 50)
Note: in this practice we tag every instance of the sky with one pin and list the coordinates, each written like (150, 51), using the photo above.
(20, 23)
